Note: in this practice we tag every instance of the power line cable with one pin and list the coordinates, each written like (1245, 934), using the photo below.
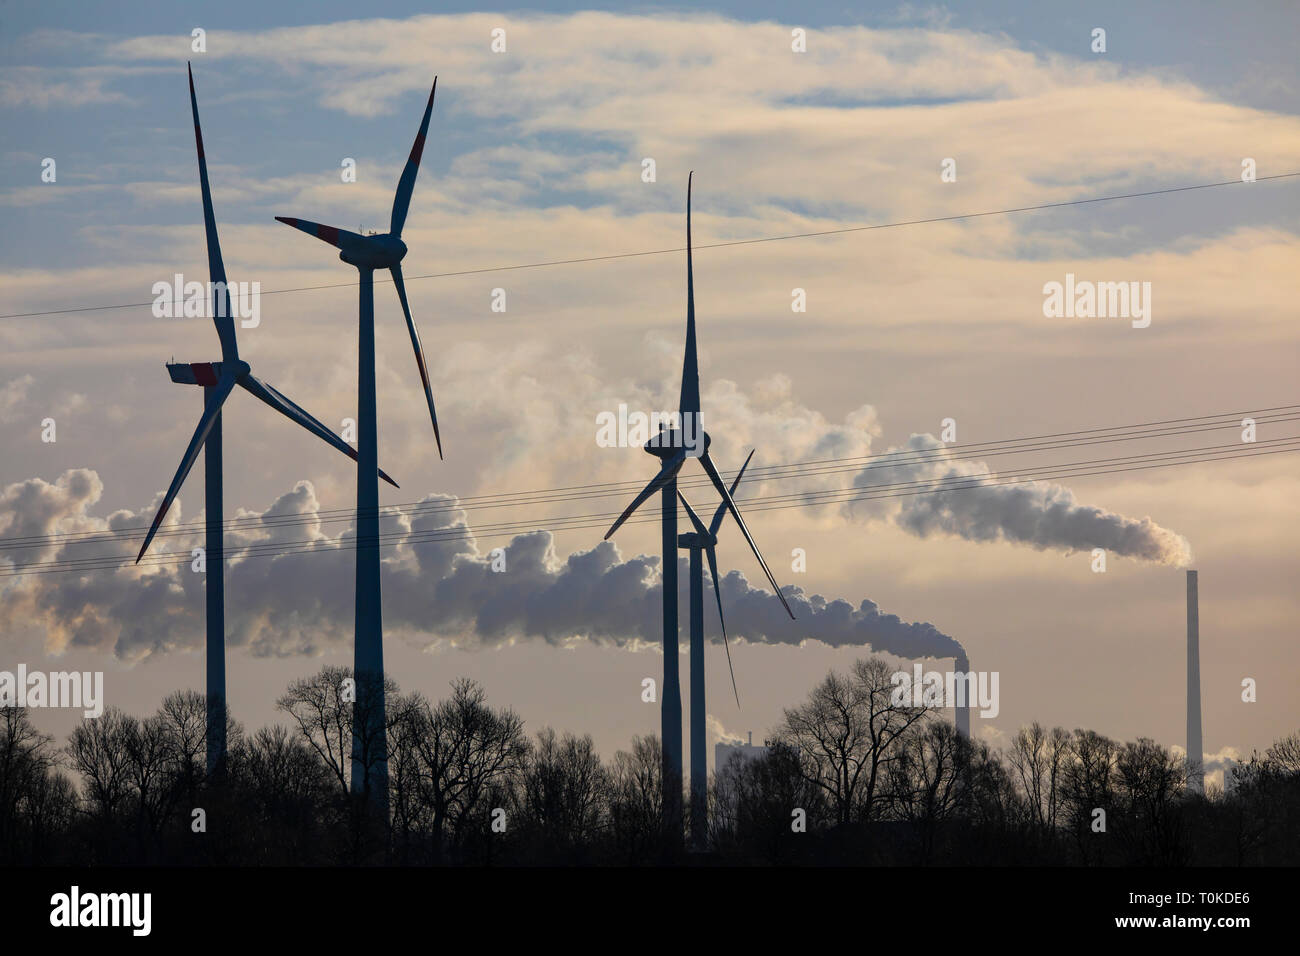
(711, 245)
(946, 484)
(810, 468)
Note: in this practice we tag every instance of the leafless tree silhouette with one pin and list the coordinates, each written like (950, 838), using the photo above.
(847, 732)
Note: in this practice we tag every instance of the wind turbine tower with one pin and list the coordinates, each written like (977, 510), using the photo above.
(218, 380)
(701, 543)
(368, 253)
(673, 446)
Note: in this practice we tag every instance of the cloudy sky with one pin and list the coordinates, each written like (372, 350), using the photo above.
(536, 153)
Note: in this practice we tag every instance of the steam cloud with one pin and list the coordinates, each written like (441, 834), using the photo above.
(1039, 514)
(445, 588)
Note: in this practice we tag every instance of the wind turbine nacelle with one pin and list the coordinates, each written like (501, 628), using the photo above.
(670, 441)
(200, 373)
(374, 252)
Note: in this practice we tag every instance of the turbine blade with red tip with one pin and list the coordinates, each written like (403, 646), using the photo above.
(419, 353)
(331, 234)
(296, 413)
(406, 185)
(221, 316)
(210, 412)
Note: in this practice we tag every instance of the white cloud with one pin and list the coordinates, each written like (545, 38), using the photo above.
(33, 87)
(13, 394)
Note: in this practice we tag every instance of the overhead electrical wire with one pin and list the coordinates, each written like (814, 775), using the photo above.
(711, 245)
(946, 484)
(810, 468)
(566, 523)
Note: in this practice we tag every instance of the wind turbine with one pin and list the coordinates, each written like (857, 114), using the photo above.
(219, 380)
(368, 253)
(703, 541)
(673, 446)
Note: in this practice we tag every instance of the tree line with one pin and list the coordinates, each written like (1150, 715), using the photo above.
(847, 777)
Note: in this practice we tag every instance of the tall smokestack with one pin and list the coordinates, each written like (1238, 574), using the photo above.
(962, 717)
(1195, 771)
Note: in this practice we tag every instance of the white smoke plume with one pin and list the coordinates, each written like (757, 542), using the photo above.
(768, 416)
(719, 734)
(1037, 513)
(1216, 766)
(444, 588)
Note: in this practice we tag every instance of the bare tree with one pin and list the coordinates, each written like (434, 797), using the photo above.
(99, 750)
(289, 798)
(49, 808)
(412, 819)
(1149, 782)
(991, 800)
(1038, 758)
(324, 716)
(453, 754)
(148, 770)
(279, 767)
(1088, 784)
(753, 801)
(926, 784)
(1284, 753)
(184, 716)
(564, 790)
(636, 801)
(323, 707)
(847, 732)
(25, 762)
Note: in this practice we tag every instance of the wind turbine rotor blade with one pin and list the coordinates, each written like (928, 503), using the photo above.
(689, 403)
(331, 234)
(221, 316)
(722, 508)
(419, 352)
(296, 413)
(210, 413)
(712, 555)
(666, 474)
(406, 185)
(695, 519)
(718, 483)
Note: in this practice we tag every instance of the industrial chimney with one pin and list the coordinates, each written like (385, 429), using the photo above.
(1195, 770)
(962, 716)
